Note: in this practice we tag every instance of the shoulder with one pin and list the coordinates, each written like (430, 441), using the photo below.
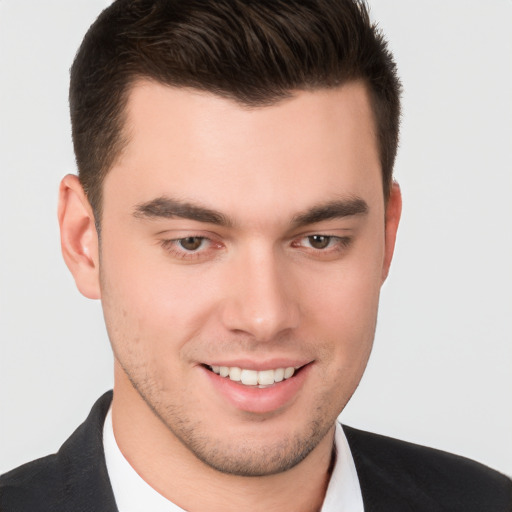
(74, 479)
(34, 486)
(437, 479)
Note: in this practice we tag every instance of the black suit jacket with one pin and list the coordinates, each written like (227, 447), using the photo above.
(394, 476)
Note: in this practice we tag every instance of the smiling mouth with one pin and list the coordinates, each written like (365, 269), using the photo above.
(255, 378)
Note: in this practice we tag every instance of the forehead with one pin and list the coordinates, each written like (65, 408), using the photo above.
(200, 147)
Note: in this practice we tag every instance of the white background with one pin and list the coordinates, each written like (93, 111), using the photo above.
(441, 370)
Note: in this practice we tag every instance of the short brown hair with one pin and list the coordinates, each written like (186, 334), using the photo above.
(255, 52)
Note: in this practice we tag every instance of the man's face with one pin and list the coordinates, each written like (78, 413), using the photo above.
(248, 241)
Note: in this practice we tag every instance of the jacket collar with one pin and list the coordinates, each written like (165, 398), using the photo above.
(82, 461)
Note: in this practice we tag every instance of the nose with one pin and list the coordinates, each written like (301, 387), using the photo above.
(260, 298)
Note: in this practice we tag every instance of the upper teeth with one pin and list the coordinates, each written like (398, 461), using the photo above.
(254, 377)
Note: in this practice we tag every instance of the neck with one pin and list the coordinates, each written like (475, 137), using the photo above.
(177, 474)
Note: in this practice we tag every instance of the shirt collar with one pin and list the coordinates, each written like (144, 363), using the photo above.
(133, 494)
(343, 492)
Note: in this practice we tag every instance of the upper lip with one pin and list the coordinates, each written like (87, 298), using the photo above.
(269, 364)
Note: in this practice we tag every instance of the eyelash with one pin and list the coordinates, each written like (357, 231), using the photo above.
(172, 246)
(335, 245)
(340, 242)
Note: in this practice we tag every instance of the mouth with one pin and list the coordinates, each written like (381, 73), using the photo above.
(254, 378)
(258, 388)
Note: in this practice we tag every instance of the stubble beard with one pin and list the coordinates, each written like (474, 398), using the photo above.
(250, 457)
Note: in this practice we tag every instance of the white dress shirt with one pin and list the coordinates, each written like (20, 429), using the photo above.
(133, 494)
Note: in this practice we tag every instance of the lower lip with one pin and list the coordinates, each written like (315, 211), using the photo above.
(254, 399)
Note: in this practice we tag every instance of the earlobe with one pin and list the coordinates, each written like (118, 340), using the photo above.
(79, 238)
(393, 213)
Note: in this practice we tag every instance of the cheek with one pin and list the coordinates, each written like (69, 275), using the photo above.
(150, 308)
(347, 295)
(348, 323)
(345, 307)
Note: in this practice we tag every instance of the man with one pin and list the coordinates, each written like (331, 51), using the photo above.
(236, 214)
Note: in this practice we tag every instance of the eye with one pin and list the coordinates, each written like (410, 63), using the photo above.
(323, 246)
(319, 241)
(191, 248)
(191, 243)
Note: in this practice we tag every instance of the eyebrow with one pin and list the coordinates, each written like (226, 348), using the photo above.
(168, 208)
(332, 210)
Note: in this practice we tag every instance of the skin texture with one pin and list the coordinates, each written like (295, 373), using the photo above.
(257, 293)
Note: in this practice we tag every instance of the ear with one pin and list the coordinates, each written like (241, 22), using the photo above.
(393, 213)
(78, 236)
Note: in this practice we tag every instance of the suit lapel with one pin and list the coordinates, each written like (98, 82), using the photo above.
(386, 475)
(84, 471)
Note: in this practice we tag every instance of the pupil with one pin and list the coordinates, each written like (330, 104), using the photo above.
(319, 241)
(191, 243)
